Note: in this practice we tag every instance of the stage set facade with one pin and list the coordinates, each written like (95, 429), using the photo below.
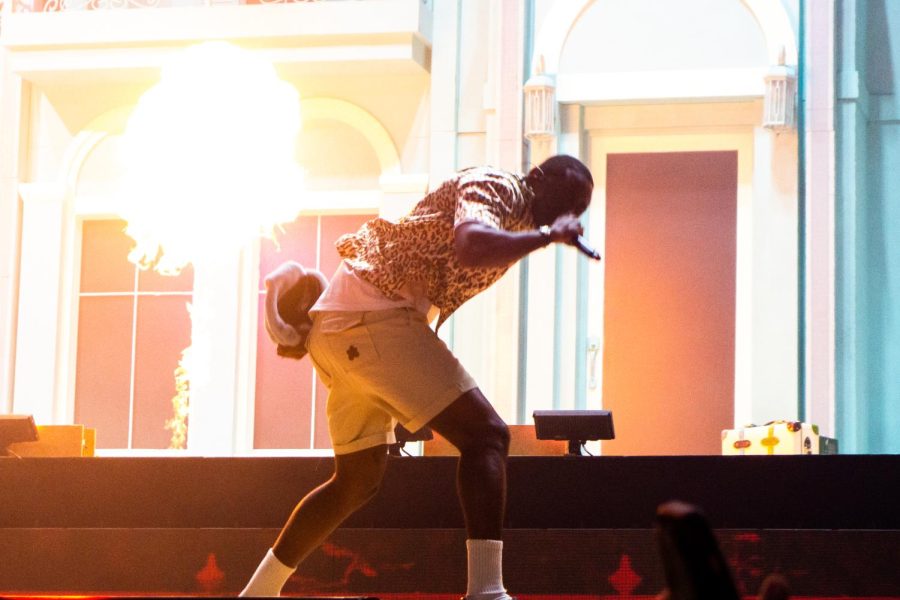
(743, 204)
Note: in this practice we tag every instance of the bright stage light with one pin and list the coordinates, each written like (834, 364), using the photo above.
(209, 158)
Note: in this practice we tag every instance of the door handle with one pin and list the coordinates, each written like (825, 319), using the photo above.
(593, 352)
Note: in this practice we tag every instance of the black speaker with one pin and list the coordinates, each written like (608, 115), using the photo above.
(16, 428)
(574, 426)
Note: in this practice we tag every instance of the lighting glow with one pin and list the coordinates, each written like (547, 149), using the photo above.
(209, 158)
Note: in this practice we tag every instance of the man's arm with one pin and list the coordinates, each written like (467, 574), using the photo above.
(479, 245)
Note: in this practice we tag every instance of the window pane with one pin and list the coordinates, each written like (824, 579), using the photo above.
(298, 242)
(104, 257)
(102, 378)
(283, 395)
(163, 331)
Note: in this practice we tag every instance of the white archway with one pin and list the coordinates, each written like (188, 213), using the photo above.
(114, 122)
(359, 119)
(776, 26)
(551, 39)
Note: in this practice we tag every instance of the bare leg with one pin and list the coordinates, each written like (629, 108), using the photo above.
(355, 481)
(482, 438)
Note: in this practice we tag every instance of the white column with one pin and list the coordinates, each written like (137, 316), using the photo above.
(444, 96)
(509, 83)
(214, 370)
(10, 124)
(744, 284)
(820, 223)
(503, 92)
(245, 342)
(774, 275)
(541, 305)
(572, 273)
(474, 339)
(444, 86)
(539, 382)
(36, 388)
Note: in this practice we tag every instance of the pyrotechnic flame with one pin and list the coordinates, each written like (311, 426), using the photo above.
(209, 157)
(210, 165)
(178, 424)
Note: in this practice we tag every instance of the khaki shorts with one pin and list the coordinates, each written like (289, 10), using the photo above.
(382, 367)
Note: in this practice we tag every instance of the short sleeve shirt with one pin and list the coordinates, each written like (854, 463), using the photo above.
(419, 248)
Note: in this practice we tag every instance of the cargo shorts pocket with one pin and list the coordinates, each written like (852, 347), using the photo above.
(351, 348)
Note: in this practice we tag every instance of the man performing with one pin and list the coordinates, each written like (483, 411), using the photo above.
(373, 348)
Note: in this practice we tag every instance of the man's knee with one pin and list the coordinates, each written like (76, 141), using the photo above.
(490, 436)
(472, 425)
(358, 477)
(501, 436)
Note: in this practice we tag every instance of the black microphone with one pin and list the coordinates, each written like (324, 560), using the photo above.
(585, 248)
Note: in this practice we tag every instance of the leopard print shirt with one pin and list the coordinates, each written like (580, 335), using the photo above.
(420, 246)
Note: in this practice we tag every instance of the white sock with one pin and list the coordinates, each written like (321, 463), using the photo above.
(270, 577)
(485, 570)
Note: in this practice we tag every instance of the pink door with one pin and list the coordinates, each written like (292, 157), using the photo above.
(668, 356)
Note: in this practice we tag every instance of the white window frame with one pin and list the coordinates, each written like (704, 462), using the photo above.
(96, 208)
(349, 203)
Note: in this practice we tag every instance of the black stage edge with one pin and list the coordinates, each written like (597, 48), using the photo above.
(579, 527)
(755, 492)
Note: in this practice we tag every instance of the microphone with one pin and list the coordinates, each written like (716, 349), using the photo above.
(585, 248)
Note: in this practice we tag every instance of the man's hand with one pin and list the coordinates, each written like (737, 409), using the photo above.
(565, 229)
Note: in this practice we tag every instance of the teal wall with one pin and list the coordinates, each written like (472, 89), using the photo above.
(868, 226)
